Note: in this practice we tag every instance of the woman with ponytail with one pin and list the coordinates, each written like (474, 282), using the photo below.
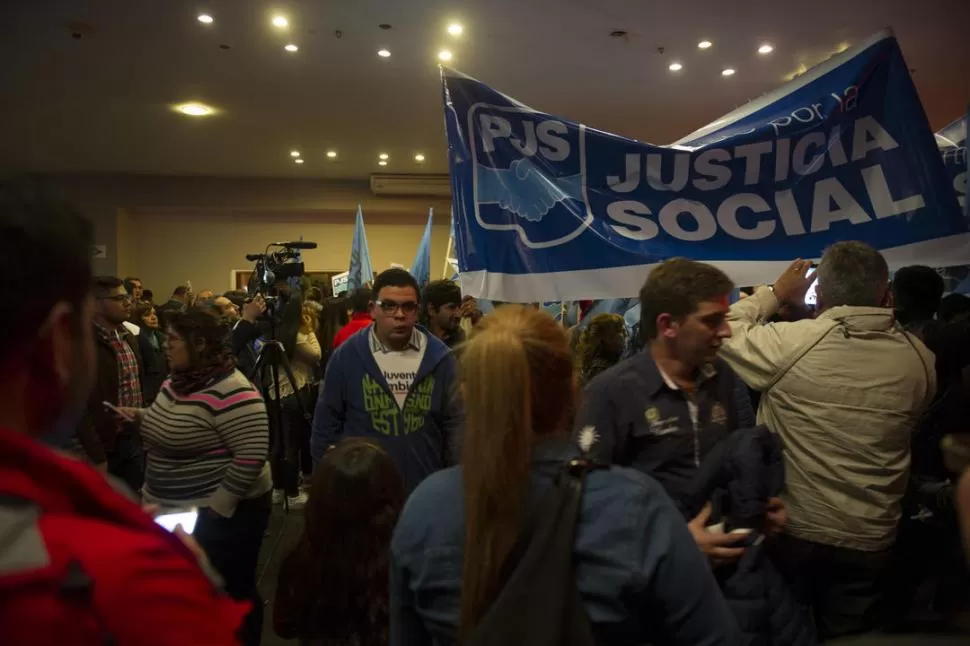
(639, 573)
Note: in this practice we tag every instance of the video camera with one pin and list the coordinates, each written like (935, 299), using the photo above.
(281, 261)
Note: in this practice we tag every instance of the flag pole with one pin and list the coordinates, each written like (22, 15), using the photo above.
(445, 273)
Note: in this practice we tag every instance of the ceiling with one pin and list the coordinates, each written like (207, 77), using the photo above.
(87, 87)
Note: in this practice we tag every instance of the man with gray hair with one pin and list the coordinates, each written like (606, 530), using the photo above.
(844, 392)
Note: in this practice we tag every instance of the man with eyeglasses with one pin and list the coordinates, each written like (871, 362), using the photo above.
(111, 442)
(392, 382)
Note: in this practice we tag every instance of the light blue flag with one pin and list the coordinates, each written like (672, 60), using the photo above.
(421, 267)
(361, 270)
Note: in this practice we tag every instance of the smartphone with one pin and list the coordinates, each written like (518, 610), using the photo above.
(811, 297)
(184, 519)
(117, 411)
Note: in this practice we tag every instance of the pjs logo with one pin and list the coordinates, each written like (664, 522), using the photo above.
(528, 175)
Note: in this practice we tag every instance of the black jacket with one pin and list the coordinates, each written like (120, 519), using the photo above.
(739, 475)
(950, 342)
(98, 427)
(154, 366)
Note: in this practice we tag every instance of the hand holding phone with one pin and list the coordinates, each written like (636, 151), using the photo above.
(125, 415)
(184, 520)
(811, 296)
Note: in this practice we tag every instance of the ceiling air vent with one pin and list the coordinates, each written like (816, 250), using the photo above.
(417, 185)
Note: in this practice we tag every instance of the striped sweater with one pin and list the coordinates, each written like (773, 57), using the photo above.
(209, 448)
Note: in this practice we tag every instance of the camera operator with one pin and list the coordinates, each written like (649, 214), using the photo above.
(246, 331)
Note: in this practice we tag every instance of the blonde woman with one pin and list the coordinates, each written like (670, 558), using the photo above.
(639, 574)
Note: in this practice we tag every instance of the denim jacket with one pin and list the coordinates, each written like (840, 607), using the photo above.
(639, 572)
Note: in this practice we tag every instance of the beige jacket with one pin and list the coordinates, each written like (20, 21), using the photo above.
(844, 391)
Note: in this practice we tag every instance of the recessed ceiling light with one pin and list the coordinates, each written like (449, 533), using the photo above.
(729, 71)
(332, 154)
(280, 21)
(298, 160)
(766, 49)
(294, 153)
(194, 109)
(675, 67)
(704, 44)
(384, 53)
(455, 29)
(383, 156)
(419, 158)
(382, 163)
(205, 18)
(291, 47)
(444, 55)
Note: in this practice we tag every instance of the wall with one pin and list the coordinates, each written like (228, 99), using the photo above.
(204, 246)
(168, 229)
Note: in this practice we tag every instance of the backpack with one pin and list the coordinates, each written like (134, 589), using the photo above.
(540, 604)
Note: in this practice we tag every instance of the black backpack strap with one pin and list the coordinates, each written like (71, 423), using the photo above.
(540, 604)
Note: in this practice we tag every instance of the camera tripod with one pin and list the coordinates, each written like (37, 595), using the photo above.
(266, 375)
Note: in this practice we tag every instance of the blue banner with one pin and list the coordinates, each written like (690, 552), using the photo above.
(952, 142)
(547, 208)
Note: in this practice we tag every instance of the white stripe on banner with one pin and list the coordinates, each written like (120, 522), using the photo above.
(622, 282)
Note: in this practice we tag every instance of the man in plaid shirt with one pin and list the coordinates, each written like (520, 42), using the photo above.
(112, 443)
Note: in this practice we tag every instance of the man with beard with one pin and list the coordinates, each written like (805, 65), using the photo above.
(80, 563)
(441, 303)
(108, 439)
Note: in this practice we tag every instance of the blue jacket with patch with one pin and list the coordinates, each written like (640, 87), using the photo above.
(645, 424)
(355, 401)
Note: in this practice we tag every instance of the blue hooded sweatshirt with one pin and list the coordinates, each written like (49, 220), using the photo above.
(355, 401)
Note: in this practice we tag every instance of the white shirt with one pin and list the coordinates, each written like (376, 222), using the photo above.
(399, 367)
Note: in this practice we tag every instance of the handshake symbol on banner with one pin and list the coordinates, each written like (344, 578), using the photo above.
(525, 190)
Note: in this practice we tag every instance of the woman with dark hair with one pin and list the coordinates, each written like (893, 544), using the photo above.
(333, 316)
(150, 342)
(601, 345)
(207, 438)
(332, 588)
(638, 572)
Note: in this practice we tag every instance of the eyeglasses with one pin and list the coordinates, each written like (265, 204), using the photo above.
(390, 307)
(120, 298)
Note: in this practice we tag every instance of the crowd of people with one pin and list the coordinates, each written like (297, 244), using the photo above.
(756, 472)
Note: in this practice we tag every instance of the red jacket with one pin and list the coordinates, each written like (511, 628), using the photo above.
(357, 322)
(82, 564)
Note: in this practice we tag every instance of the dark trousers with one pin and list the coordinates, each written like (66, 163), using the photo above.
(127, 460)
(291, 447)
(232, 545)
(843, 587)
